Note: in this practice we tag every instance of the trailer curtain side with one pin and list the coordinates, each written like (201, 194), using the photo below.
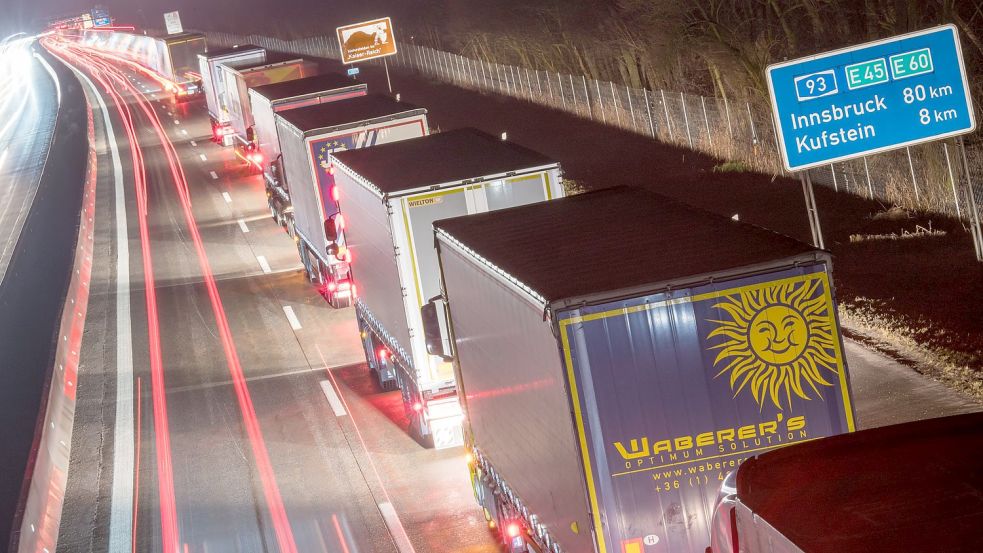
(512, 387)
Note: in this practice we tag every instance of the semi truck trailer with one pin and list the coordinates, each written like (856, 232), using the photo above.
(390, 196)
(237, 80)
(268, 100)
(172, 60)
(301, 191)
(906, 487)
(213, 84)
(618, 352)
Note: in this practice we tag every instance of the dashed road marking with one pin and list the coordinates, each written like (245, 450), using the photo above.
(194, 144)
(228, 199)
(176, 122)
(184, 132)
(333, 400)
(396, 529)
(203, 157)
(214, 175)
(242, 226)
(292, 317)
(264, 264)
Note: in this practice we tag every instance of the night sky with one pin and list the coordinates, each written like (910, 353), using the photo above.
(247, 15)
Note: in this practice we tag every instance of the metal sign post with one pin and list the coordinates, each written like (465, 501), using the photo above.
(811, 210)
(870, 98)
(389, 83)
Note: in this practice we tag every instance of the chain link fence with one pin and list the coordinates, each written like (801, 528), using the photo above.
(930, 177)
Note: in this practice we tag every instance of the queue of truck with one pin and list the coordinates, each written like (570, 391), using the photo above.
(606, 359)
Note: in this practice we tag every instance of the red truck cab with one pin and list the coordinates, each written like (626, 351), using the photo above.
(916, 486)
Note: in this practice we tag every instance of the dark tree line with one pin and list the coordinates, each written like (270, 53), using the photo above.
(718, 47)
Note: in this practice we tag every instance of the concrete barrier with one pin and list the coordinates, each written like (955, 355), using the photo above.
(49, 297)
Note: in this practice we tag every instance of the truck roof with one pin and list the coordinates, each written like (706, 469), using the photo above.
(907, 487)
(307, 85)
(182, 37)
(333, 114)
(271, 59)
(235, 50)
(440, 158)
(620, 238)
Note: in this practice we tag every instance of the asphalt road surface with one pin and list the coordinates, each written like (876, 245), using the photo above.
(204, 339)
(222, 405)
(28, 108)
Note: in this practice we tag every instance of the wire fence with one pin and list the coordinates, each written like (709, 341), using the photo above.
(930, 177)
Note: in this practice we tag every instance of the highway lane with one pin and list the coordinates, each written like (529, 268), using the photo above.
(28, 109)
(334, 498)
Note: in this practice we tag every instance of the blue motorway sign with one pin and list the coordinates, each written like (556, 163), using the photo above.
(870, 98)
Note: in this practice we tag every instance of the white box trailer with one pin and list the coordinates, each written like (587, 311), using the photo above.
(238, 81)
(308, 138)
(214, 85)
(268, 100)
(619, 352)
(390, 196)
(171, 59)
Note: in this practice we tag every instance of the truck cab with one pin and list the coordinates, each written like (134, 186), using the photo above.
(908, 487)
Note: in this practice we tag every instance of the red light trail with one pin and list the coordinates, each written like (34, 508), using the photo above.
(274, 501)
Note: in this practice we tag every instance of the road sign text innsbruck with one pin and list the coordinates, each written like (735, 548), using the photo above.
(870, 98)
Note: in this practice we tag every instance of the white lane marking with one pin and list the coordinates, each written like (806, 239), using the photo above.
(333, 400)
(389, 515)
(228, 199)
(184, 132)
(3, 157)
(292, 317)
(176, 122)
(264, 264)
(396, 529)
(242, 226)
(194, 144)
(121, 507)
(214, 175)
(202, 157)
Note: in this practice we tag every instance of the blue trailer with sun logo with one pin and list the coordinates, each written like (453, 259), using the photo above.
(619, 353)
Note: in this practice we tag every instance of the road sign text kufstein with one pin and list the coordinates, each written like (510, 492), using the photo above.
(870, 98)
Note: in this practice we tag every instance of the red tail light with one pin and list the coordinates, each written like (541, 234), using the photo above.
(334, 193)
(513, 530)
(418, 407)
(383, 354)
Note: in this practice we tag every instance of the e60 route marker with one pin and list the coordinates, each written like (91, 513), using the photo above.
(870, 98)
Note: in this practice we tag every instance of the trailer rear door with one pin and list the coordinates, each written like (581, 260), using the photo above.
(673, 390)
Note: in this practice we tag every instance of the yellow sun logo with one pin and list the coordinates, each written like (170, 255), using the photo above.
(780, 341)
